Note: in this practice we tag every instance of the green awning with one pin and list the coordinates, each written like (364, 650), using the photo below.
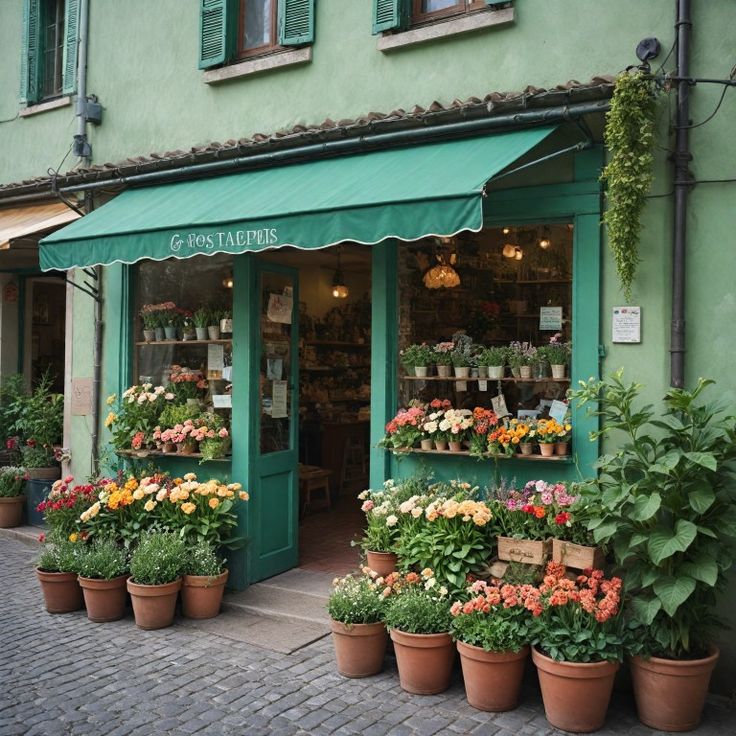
(406, 193)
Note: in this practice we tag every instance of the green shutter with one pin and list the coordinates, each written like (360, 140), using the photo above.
(390, 15)
(218, 28)
(29, 65)
(71, 38)
(296, 22)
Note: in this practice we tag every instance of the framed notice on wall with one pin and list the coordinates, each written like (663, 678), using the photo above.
(626, 325)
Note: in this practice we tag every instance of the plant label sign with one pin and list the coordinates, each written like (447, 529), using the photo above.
(550, 319)
(626, 325)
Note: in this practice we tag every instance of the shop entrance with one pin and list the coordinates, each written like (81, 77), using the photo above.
(333, 293)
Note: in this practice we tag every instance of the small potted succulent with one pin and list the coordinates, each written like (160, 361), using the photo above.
(356, 606)
(155, 567)
(12, 499)
(103, 570)
(204, 581)
(418, 619)
(57, 570)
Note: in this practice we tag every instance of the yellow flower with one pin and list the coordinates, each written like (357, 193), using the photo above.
(73, 537)
(111, 399)
(190, 476)
(223, 492)
(213, 503)
(183, 495)
(111, 417)
(138, 494)
(150, 505)
(94, 509)
(188, 507)
(244, 496)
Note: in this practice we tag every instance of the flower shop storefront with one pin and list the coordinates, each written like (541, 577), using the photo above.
(223, 250)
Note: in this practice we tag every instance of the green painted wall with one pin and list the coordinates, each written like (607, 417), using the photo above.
(155, 100)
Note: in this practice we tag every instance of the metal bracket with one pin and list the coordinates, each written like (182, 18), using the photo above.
(581, 146)
(87, 288)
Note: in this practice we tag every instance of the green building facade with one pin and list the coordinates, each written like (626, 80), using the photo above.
(175, 96)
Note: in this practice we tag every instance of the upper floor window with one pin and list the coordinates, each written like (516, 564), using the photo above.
(231, 30)
(429, 10)
(49, 55)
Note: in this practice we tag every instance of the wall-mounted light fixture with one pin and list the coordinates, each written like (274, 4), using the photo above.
(227, 282)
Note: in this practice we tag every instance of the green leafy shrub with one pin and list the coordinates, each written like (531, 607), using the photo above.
(418, 611)
(59, 555)
(666, 501)
(102, 559)
(356, 600)
(159, 558)
(202, 559)
(12, 480)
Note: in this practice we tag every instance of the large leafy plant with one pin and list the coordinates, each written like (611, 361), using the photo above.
(666, 500)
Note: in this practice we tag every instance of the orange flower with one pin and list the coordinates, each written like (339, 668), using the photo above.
(188, 507)
(214, 502)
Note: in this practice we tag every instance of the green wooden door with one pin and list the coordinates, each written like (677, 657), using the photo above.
(273, 441)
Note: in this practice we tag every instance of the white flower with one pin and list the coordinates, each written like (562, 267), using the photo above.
(146, 386)
(141, 399)
(417, 512)
(152, 397)
(391, 520)
(168, 396)
(159, 390)
(443, 591)
(363, 495)
(430, 583)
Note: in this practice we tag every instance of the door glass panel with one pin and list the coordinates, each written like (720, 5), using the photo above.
(275, 366)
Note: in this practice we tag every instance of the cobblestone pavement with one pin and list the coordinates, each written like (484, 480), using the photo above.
(63, 675)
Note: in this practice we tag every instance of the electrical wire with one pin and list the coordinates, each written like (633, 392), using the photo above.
(709, 118)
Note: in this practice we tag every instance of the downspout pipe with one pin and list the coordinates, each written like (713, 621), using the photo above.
(682, 176)
(82, 145)
(370, 141)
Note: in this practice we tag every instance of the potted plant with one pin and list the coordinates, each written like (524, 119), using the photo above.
(573, 544)
(381, 530)
(418, 620)
(12, 499)
(150, 319)
(456, 423)
(521, 356)
(442, 358)
(204, 581)
(213, 328)
(564, 434)
(494, 360)
(484, 421)
(665, 502)
(201, 319)
(170, 319)
(56, 570)
(461, 362)
(557, 353)
(103, 568)
(64, 504)
(404, 430)
(492, 633)
(356, 607)
(546, 434)
(155, 568)
(188, 331)
(138, 411)
(226, 321)
(417, 359)
(524, 431)
(578, 647)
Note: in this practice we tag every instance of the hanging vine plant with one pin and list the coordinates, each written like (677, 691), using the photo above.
(629, 137)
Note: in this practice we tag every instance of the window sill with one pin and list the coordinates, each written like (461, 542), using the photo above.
(446, 28)
(45, 106)
(258, 65)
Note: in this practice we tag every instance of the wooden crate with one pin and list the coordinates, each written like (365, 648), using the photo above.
(577, 556)
(531, 552)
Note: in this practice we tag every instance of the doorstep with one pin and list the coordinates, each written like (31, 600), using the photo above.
(27, 534)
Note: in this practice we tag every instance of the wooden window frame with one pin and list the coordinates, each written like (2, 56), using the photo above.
(274, 47)
(461, 7)
(60, 6)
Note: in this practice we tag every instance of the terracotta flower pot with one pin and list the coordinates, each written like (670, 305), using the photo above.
(426, 444)
(104, 599)
(359, 648)
(670, 693)
(492, 679)
(456, 446)
(575, 694)
(441, 445)
(547, 448)
(201, 595)
(384, 563)
(61, 591)
(11, 511)
(562, 448)
(526, 448)
(424, 661)
(154, 605)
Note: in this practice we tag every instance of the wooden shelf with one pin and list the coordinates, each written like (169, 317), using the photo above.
(547, 379)
(466, 453)
(185, 342)
(330, 368)
(157, 453)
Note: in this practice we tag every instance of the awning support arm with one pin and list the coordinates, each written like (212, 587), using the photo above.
(87, 288)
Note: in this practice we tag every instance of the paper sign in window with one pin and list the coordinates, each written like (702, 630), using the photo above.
(279, 405)
(279, 308)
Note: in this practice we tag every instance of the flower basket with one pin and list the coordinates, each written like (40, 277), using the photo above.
(577, 556)
(529, 551)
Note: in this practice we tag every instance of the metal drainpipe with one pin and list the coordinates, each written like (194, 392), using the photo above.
(82, 75)
(682, 158)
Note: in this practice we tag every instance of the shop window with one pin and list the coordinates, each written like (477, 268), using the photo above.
(502, 288)
(183, 332)
(233, 30)
(49, 61)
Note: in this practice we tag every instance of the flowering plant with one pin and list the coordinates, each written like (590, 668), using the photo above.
(496, 618)
(535, 512)
(186, 384)
(417, 603)
(11, 481)
(158, 559)
(137, 416)
(504, 439)
(456, 423)
(157, 315)
(404, 429)
(483, 318)
(102, 559)
(548, 431)
(557, 352)
(64, 503)
(203, 560)
(521, 353)
(484, 421)
(357, 599)
(443, 353)
(381, 509)
(419, 355)
(579, 620)
(493, 356)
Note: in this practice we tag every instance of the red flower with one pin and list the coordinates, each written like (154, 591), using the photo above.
(42, 537)
(562, 518)
(31, 443)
